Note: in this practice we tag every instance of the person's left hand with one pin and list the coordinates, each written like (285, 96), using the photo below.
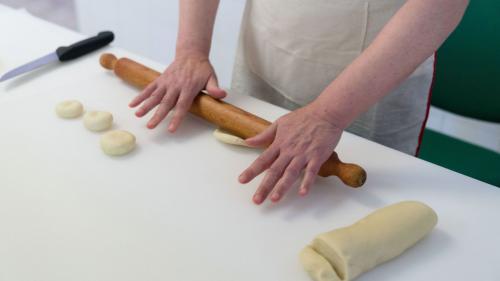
(300, 140)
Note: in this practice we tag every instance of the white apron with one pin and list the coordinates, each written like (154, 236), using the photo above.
(290, 50)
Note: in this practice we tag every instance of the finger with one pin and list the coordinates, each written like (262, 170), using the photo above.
(290, 176)
(263, 139)
(273, 175)
(213, 88)
(310, 174)
(181, 109)
(146, 93)
(260, 164)
(151, 102)
(166, 104)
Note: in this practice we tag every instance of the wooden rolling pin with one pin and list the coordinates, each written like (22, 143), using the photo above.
(227, 117)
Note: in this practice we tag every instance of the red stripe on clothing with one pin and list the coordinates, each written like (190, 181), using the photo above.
(421, 135)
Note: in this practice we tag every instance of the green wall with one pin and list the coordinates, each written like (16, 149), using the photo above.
(468, 64)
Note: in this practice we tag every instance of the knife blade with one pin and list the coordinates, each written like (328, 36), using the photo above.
(63, 54)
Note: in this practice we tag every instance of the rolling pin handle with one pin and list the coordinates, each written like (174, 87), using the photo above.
(351, 174)
(108, 61)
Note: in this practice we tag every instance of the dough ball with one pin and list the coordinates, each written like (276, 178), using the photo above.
(226, 137)
(346, 253)
(117, 142)
(98, 120)
(69, 109)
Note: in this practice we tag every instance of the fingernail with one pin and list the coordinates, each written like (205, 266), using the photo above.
(257, 199)
(275, 197)
(242, 178)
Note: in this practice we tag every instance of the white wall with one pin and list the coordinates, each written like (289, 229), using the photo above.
(61, 12)
(149, 28)
(481, 133)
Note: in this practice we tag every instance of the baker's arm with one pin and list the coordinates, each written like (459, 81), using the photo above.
(413, 34)
(300, 139)
(191, 70)
(196, 24)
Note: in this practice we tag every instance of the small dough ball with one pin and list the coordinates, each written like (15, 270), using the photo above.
(98, 121)
(69, 109)
(226, 137)
(117, 142)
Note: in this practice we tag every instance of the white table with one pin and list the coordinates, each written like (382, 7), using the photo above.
(173, 210)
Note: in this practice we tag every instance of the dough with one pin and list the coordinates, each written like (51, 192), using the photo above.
(377, 238)
(116, 143)
(317, 266)
(228, 138)
(98, 120)
(69, 109)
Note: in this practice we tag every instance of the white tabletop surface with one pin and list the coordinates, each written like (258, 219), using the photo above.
(173, 210)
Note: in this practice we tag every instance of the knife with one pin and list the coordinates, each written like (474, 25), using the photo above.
(65, 53)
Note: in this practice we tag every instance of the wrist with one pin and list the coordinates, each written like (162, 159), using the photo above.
(190, 53)
(192, 48)
(330, 114)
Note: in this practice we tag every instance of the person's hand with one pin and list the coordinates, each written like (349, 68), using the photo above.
(300, 140)
(177, 87)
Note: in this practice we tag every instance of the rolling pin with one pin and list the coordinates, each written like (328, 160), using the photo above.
(227, 117)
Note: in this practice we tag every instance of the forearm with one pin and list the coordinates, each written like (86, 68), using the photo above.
(413, 34)
(196, 23)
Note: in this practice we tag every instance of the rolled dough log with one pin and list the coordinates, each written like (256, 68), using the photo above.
(69, 109)
(117, 143)
(345, 253)
(98, 121)
(228, 138)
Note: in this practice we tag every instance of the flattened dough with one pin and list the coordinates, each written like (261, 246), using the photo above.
(375, 239)
(69, 109)
(228, 138)
(98, 121)
(117, 142)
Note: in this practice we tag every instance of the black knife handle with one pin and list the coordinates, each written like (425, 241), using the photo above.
(85, 46)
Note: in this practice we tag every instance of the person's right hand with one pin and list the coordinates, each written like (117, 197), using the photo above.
(177, 87)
